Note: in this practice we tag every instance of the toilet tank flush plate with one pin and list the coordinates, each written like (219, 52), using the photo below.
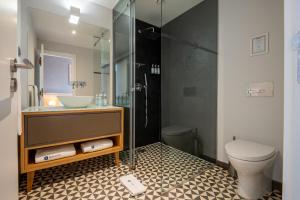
(261, 89)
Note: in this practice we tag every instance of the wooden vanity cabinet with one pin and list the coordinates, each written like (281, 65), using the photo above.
(51, 129)
(46, 129)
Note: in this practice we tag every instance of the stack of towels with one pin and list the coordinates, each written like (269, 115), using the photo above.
(96, 145)
(53, 153)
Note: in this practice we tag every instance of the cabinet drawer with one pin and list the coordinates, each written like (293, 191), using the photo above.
(51, 129)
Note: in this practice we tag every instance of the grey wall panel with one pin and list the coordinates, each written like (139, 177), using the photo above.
(189, 73)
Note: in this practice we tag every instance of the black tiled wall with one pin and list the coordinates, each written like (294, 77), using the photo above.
(148, 52)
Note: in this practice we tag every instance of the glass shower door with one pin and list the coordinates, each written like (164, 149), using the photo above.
(124, 72)
(173, 60)
(188, 90)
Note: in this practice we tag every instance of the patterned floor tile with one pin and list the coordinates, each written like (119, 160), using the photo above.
(167, 172)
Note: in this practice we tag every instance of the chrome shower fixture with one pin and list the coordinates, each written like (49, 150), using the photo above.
(146, 100)
(139, 65)
(146, 29)
(98, 38)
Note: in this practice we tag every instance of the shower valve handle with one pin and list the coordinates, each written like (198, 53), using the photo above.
(138, 87)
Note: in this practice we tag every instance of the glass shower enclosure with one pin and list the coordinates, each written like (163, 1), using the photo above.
(165, 77)
(124, 73)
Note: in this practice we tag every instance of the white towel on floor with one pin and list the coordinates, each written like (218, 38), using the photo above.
(134, 186)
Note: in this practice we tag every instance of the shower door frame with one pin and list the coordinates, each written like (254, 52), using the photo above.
(129, 4)
(132, 64)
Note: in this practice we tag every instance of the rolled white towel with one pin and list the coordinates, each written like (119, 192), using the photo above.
(96, 145)
(53, 153)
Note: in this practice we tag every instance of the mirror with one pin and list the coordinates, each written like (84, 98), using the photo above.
(70, 48)
(122, 56)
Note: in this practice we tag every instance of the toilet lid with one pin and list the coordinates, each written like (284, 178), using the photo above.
(175, 130)
(249, 151)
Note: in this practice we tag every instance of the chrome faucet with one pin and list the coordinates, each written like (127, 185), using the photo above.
(78, 84)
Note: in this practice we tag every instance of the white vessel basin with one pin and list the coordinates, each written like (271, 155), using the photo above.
(75, 101)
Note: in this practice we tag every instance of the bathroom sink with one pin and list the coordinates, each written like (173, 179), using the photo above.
(75, 101)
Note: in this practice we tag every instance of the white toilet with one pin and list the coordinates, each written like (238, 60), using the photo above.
(254, 165)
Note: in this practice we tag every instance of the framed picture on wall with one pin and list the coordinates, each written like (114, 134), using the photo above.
(259, 44)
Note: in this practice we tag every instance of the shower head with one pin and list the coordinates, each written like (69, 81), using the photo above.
(149, 33)
(98, 38)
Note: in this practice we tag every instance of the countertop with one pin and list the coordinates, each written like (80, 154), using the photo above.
(40, 109)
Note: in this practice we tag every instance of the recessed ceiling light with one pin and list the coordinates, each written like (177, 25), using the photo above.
(74, 32)
(74, 15)
(74, 19)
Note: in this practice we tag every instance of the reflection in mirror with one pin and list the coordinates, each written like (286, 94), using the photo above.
(122, 39)
(69, 46)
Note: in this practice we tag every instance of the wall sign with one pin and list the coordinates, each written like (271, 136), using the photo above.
(259, 44)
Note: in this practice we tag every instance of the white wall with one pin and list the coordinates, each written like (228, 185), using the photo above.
(85, 64)
(27, 43)
(258, 119)
(31, 48)
(8, 103)
(291, 162)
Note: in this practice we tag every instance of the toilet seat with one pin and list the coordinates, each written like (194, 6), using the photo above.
(249, 151)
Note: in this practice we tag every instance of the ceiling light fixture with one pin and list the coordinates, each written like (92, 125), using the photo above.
(74, 15)
(74, 32)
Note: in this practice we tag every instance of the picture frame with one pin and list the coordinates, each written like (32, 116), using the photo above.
(259, 44)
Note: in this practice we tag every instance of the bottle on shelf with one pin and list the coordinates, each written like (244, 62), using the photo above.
(118, 100)
(152, 69)
(97, 100)
(127, 99)
(104, 101)
(123, 99)
(101, 99)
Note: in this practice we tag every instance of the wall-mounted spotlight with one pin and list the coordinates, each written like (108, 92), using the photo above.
(74, 15)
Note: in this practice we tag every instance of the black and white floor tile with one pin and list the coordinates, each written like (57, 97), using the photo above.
(168, 174)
